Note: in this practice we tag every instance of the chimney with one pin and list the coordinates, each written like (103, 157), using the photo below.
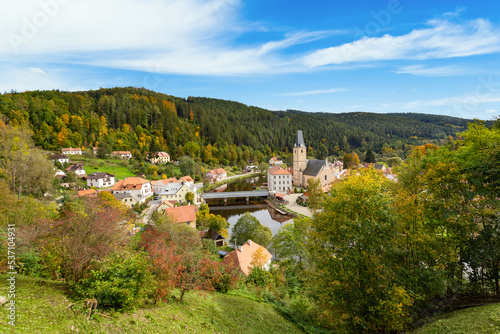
(249, 242)
(240, 248)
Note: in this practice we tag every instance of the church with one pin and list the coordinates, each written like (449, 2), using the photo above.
(304, 168)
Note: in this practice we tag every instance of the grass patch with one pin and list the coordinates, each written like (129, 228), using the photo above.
(42, 307)
(481, 319)
(119, 172)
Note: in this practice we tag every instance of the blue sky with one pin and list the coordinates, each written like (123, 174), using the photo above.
(437, 57)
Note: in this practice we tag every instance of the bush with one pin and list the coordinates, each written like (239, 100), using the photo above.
(123, 281)
(31, 264)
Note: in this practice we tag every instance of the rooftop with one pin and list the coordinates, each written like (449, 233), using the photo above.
(182, 214)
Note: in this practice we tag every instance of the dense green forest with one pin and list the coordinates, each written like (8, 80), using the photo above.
(216, 131)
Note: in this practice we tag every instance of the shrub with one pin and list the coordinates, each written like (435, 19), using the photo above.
(123, 281)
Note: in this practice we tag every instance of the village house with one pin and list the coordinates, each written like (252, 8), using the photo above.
(77, 169)
(128, 199)
(304, 169)
(160, 158)
(100, 180)
(176, 192)
(159, 185)
(61, 158)
(95, 150)
(275, 161)
(122, 154)
(137, 187)
(60, 174)
(186, 179)
(279, 179)
(216, 175)
(183, 215)
(71, 150)
(243, 257)
(215, 236)
(165, 205)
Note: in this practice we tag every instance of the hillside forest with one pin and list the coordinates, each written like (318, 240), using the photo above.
(213, 131)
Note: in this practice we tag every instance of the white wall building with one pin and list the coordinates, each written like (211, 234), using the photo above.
(100, 180)
(279, 179)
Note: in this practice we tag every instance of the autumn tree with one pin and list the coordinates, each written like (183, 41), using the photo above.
(86, 231)
(316, 194)
(15, 145)
(353, 257)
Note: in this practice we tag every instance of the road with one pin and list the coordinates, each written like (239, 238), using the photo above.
(148, 212)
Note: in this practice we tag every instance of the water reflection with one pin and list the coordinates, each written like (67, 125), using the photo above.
(258, 208)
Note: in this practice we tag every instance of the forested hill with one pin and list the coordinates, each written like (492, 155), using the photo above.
(141, 120)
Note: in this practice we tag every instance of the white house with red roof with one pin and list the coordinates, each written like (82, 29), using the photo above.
(279, 179)
(160, 158)
(123, 154)
(275, 161)
(216, 175)
(137, 187)
(71, 150)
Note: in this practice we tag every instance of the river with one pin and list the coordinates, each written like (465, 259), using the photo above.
(237, 207)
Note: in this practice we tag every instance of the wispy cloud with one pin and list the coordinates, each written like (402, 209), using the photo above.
(440, 71)
(491, 111)
(314, 92)
(443, 39)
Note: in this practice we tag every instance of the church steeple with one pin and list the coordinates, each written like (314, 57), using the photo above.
(299, 159)
(299, 142)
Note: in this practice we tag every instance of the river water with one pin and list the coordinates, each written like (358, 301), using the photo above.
(237, 207)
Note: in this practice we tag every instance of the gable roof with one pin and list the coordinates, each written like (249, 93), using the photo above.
(88, 192)
(314, 167)
(162, 155)
(120, 196)
(214, 235)
(58, 157)
(186, 178)
(242, 257)
(74, 167)
(99, 175)
(71, 149)
(171, 188)
(182, 214)
(130, 183)
(278, 171)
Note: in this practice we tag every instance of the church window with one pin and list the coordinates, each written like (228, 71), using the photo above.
(301, 151)
(325, 177)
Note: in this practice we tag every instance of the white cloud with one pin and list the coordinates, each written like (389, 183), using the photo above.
(490, 111)
(314, 92)
(33, 78)
(443, 39)
(424, 71)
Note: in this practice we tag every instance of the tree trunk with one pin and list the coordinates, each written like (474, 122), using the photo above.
(182, 293)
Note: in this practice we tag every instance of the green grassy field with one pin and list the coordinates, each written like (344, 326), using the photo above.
(42, 307)
(118, 171)
(475, 320)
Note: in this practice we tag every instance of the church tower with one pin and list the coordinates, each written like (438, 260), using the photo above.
(299, 159)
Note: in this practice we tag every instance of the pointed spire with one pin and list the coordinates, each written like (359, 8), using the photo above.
(300, 139)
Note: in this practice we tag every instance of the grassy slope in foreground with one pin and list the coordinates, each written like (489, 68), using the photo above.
(475, 320)
(44, 309)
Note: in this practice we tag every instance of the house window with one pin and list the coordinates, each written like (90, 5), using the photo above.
(301, 151)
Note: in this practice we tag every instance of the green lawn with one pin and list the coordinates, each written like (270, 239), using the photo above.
(475, 320)
(118, 171)
(42, 307)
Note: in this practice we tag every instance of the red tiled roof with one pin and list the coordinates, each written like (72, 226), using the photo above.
(182, 214)
(129, 183)
(121, 152)
(243, 258)
(88, 192)
(187, 178)
(278, 171)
